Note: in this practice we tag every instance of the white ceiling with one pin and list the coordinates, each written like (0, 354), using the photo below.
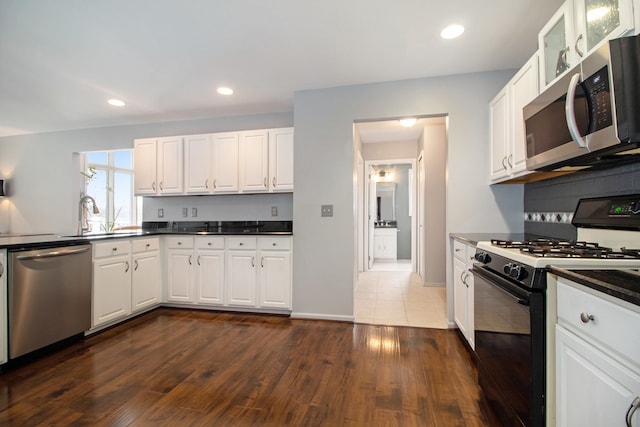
(61, 60)
(393, 131)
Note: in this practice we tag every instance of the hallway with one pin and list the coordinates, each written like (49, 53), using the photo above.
(396, 298)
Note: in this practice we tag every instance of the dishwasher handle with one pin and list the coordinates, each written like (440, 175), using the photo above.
(53, 254)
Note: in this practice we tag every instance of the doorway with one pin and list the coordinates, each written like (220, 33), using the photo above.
(397, 172)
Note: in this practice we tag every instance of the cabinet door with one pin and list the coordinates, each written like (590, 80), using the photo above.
(281, 159)
(555, 45)
(254, 161)
(499, 110)
(170, 164)
(111, 289)
(4, 349)
(144, 160)
(524, 88)
(593, 389)
(460, 296)
(275, 279)
(241, 278)
(224, 163)
(210, 277)
(197, 157)
(180, 276)
(598, 20)
(145, 281)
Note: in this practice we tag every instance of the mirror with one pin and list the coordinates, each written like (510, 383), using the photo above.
(386, 197)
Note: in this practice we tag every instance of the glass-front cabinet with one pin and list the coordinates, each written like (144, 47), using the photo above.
(576, 29)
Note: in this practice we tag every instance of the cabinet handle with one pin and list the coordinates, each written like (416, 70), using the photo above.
(206, 183)
(273, 244)
(148, 244)
(190, 260)
(114, 249)
(462, 278)
(161, 189)
(179, 243)
(253, 261)
(632, 409)
(215, 183)
(504, 166)
(265, 182)
(586, 317)
(135, 265)
(274, 181)
(241, 243)
(1, 269)
(578, 51)
(126, 270)
(458, 250)
(262, 262)
(509, 159)
(153, 186)
(198, 260)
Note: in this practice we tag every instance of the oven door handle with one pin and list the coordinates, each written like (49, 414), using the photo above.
(519, 295)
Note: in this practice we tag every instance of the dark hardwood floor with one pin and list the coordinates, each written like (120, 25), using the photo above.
(199, 368)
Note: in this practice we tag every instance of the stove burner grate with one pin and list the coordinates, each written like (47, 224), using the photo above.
(566, 249)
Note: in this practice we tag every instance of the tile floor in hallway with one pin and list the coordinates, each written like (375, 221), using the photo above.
(397, 298)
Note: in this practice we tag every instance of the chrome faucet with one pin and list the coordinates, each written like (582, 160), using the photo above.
(82, 221)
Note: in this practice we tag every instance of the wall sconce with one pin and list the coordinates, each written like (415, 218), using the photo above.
(2, 193)
(383, 176)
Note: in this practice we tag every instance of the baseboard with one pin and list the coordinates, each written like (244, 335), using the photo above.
(320, 316)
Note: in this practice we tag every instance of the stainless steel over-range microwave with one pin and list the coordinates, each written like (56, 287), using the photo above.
(591, 115)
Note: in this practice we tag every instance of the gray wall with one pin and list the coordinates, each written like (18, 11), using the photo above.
(324, 270)
(44, 182)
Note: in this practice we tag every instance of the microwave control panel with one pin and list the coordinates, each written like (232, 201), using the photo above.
(598, 94)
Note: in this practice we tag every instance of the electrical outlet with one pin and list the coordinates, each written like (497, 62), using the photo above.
(185, 211)
(326, 210)
(160, 213)
(274, 211)
(194, 212)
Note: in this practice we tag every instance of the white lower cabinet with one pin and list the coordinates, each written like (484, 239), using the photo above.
(385, 243)
(111, 281)
(463, 291)
(4, 354)
(180, 269)
(126, 278)
(210, 269)
(275, 273)
(241, 271)
(597, 360)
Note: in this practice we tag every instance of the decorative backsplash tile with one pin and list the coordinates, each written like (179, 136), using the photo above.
(557, 217)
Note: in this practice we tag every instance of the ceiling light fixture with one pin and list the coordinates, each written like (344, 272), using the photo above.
(225, 91)
(116, 102)
(408, 122)
(452, 31)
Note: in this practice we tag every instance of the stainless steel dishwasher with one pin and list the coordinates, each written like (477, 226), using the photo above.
(49, 296)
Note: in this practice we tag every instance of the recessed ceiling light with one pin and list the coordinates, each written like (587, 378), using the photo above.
(225, 91)
(116, 102)
(452, 31)
(408, 122)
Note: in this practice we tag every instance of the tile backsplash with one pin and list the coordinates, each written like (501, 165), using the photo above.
(554, 198)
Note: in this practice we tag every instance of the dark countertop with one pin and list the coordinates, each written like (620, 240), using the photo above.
(623, 284)
(199, 228)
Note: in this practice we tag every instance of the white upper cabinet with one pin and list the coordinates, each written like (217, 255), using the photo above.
(254, 161)
(170, 164)
(576, 29)
(145, 162)
(508, 145)
(197, 154)
(281, 159)
(224, 162)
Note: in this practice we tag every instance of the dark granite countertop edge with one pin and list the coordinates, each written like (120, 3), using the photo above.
(605, 287)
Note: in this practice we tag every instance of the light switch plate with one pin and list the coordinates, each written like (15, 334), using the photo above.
(185, 211)
(160, 213)
(194, 212)
(326, 210)
(274, 211)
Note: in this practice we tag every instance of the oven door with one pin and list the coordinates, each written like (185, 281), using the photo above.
(503, 333)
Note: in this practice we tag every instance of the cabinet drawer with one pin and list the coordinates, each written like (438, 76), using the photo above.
(460, 251)
(241, 243)
(179, 242)
(275, 243)
(612, 325)
(210, 242)
(145, 245)
(112, 248)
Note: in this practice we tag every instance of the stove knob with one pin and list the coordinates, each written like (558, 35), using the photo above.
(517, 272)
(507, 268)
(483, 257)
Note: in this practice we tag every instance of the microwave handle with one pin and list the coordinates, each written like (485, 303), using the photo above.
(570, 111)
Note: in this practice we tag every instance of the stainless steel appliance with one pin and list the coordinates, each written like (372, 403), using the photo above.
(511, 301)
(590, 116)
(49, 296)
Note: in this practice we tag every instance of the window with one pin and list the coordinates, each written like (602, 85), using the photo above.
(109, 180)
